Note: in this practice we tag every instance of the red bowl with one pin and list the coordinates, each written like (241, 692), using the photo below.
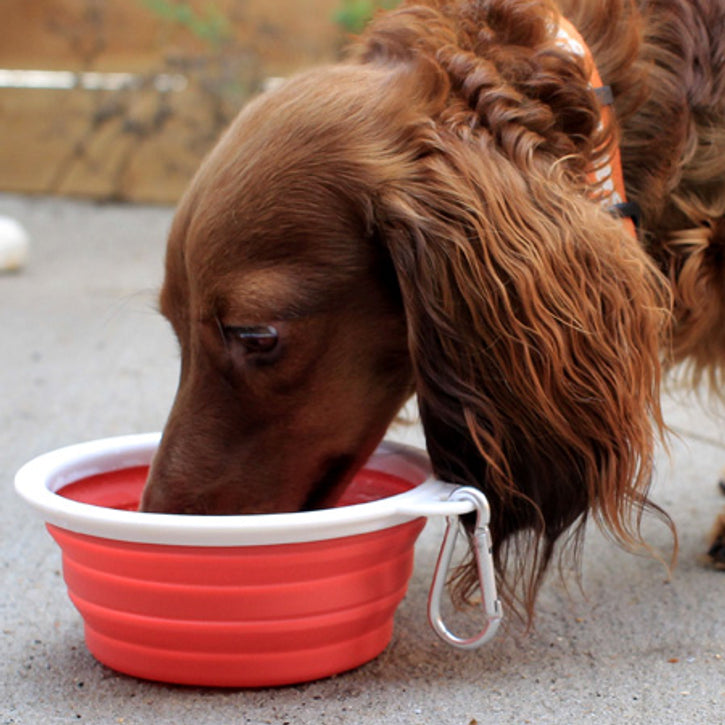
(238, 601)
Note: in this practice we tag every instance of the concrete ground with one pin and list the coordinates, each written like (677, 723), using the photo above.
(85, 355)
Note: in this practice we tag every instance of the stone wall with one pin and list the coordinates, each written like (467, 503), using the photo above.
(142, 143)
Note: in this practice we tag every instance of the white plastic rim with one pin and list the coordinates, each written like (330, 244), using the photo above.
(38, 481)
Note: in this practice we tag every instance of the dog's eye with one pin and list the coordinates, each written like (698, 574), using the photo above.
(256, 340)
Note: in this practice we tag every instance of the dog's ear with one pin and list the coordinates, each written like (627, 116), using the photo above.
(535, 323)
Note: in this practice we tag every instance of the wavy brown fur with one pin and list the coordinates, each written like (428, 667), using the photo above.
(673, 150)
(535, 323)
(441, 172)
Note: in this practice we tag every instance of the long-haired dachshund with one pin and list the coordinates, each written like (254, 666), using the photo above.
(437, 216)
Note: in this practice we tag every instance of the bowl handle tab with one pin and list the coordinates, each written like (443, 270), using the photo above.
(480, 542)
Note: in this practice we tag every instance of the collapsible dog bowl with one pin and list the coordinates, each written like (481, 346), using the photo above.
(244, 601)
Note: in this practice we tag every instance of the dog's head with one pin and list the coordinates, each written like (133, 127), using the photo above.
(287, 311)
(388, 227)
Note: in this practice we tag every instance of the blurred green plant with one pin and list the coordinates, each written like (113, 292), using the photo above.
(210, 25)
(353, 15)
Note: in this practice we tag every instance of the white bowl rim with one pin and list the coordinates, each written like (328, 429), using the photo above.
(38, 481)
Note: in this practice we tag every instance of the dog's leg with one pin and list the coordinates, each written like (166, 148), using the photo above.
(716, 552)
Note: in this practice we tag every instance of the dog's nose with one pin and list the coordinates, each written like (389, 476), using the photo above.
(151, 502)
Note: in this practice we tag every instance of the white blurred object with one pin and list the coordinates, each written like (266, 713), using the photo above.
(14, 244)
(272, 83)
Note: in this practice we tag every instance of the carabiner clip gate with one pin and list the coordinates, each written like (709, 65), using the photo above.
(480, 541)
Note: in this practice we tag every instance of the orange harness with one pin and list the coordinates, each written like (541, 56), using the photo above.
(608, 176)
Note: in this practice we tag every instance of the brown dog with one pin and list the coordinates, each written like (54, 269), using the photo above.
(429, 217)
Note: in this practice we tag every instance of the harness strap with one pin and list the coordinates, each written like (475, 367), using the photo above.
(629, 210)
(605, 95)
(608, 177)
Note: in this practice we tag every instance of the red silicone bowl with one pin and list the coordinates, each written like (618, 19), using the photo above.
(238, 601)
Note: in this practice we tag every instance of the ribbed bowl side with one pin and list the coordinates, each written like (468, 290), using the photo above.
(259, 669)
(238, 616)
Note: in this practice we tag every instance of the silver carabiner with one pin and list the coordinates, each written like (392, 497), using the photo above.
(482, 550)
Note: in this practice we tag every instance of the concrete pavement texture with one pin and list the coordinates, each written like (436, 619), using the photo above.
(86, 355)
